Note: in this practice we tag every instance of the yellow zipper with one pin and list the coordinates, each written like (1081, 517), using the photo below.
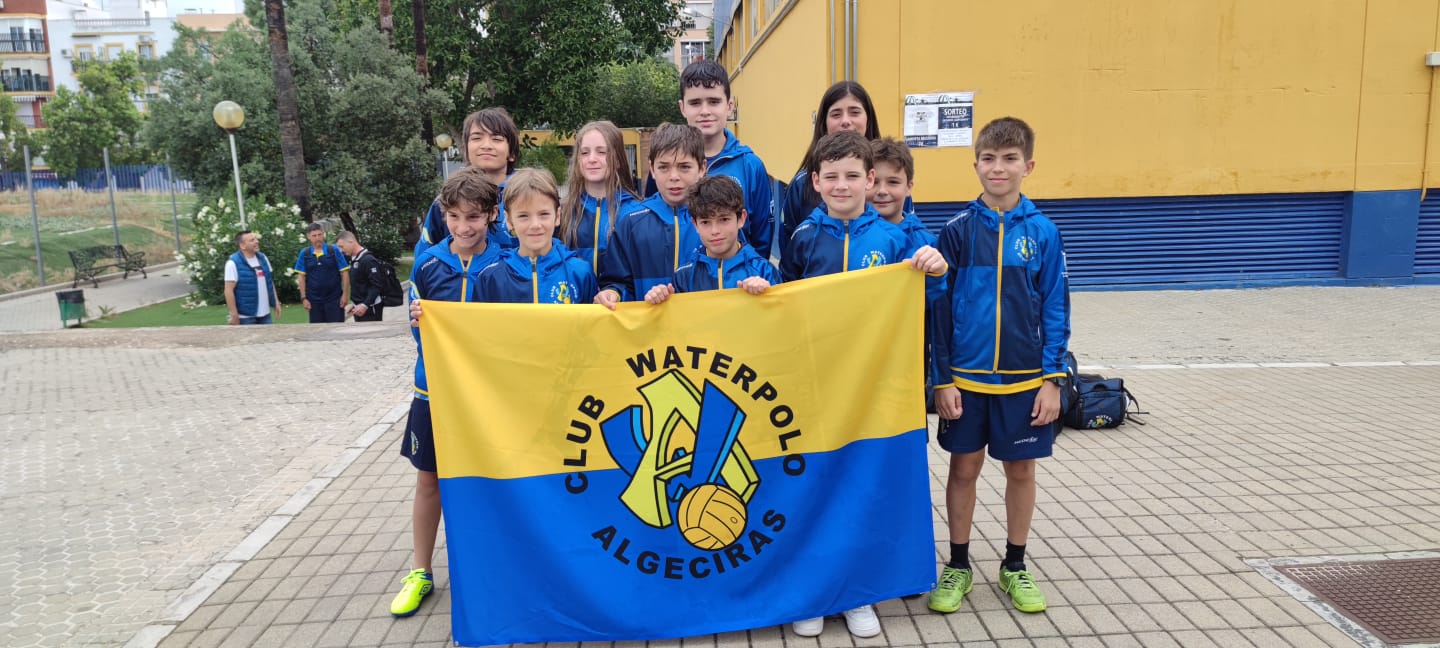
(676, 227)
(999, 279)
(845, 259)
(534, 279)
(465, 277)
(596, 254)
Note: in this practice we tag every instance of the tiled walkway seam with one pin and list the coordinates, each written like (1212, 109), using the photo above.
(186, 603)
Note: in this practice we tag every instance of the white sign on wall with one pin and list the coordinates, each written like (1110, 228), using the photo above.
(939, 119)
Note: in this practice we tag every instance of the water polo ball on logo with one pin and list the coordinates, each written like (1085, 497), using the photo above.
(711, 516)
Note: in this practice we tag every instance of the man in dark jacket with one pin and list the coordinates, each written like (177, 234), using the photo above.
(367, 279)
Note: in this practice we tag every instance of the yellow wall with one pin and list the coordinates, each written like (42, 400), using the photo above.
(1132, 98)
(778, 88)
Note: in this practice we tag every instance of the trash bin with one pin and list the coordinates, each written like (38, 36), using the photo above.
(72, 305)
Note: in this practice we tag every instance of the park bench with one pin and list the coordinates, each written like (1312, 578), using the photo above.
(90, 261)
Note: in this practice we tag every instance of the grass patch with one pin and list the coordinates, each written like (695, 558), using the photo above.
(173, 313)
(74, 219)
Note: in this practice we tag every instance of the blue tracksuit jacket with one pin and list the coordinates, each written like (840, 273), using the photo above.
(1003, 324)
(706, 273)
(596, 225)
(800, 199)
(917, 234)
(648, 246)
(739, 162)
(559, 277)
(440, 275)
(824, 245)
(433, 229)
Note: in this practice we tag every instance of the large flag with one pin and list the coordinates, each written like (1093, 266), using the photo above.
(720, 462)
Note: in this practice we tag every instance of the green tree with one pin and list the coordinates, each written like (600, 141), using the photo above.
(14, 137)
(361, 103)
(102, 114)
(538, 59)
(637, 94)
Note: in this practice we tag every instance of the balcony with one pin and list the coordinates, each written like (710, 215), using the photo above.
(22, 46)
(99, 25)
(32, 83)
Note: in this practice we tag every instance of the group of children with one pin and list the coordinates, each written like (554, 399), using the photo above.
(997, 295)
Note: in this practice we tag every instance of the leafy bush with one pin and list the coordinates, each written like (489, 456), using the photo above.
(380, 235)
(548, 156)
(282, 236)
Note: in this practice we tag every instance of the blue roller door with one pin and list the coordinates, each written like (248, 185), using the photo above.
(1244, 240)
(1427, 240)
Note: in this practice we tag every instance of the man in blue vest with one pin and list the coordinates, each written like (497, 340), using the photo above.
(250, 296)
(324, 278)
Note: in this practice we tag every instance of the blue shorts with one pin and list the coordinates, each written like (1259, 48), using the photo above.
(419, 441)
(1000, 422)
(326, 310)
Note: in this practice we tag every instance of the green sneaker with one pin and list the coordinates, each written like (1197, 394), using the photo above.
(1024, 593)
(954, 585)
(415, 587)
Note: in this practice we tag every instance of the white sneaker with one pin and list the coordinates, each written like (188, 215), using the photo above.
(862, 621)
(813, 627)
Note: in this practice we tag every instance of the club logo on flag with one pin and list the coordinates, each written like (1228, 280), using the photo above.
(688, 469)
(703, 485)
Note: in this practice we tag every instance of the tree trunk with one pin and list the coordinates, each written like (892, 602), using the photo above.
(417, 12)
(387, 23)
(292, 146)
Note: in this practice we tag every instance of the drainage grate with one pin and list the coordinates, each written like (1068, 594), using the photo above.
(1396, 600)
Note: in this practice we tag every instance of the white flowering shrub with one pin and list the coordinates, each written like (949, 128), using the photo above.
(282, 236)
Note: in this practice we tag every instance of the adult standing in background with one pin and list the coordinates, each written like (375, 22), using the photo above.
(250, 298)
(324, 278)
(367, 282)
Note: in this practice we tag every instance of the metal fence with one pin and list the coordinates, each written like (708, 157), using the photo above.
(139, 177)
(47, 220)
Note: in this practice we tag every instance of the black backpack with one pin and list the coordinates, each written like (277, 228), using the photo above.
(1093, 401)
(391, 294)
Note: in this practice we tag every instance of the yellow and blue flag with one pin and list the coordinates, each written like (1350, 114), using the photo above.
(721, 462)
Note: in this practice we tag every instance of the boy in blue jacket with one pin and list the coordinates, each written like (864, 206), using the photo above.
(999, 335)
(445, 271)
(650, 244)
(541, 270)
(846, 234)
(717, 205)
(890, 196)
(706, 104)
(490, 141)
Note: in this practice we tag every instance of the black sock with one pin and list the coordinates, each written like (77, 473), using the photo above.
(959, 556)
(1014, 557)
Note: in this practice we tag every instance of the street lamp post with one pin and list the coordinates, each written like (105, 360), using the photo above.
(230, 116)
(443, 142)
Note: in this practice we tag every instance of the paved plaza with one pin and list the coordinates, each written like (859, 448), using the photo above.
(242, 486)
(38, 310)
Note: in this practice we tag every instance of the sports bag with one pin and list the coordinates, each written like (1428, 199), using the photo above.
(1093, 401)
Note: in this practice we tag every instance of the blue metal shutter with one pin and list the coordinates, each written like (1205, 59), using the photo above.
(1427, 239)
(1240, 240)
